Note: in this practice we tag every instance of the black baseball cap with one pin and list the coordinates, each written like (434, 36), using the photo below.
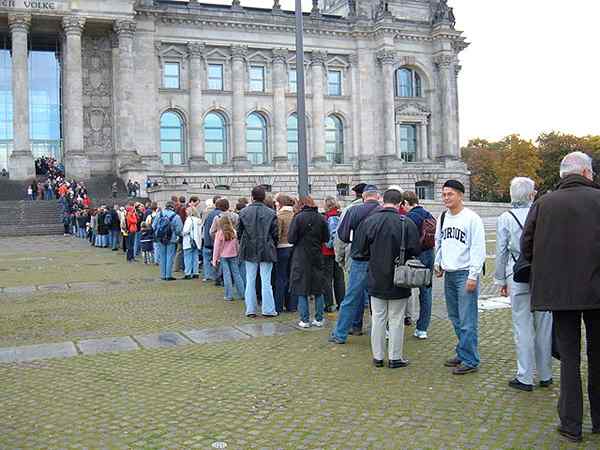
(456, 185)
(359, 188)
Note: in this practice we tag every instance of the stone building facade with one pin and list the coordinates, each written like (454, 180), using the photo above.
(177, 90)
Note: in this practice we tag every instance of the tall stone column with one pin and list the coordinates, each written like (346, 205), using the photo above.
(447, 74)
(20, 163)
(387, 59)
(126, 154)
(318, 114)
(280, 159)
(354, 74)
(423, 143)
(76, 162)
(238, 75)
(196, 51)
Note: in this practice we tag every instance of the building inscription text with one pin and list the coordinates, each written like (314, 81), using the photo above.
(28, 4)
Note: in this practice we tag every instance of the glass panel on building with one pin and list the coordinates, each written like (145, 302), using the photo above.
(215, 139)
(408, 83)
(292, 138)
(256, 139)
(6, 101)
(293, 80)
(408, 142)
(425, 190)
(334, 82)
(215, 77)
(45, 128)
(171, 138)
(257, 78)
(334, 140)
(171, 79)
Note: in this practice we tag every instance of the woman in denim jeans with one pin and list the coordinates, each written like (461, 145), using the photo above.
(226, 251)
(308, 232)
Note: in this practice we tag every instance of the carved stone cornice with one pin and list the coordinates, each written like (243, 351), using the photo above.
(280, 55)
(239, 52)
(443, 61)
(73, 25)
(318, 57)
(196, 49)
(124, 28)
(19, 22)
(386, 56)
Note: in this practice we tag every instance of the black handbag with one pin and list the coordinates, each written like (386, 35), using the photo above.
(522, 267)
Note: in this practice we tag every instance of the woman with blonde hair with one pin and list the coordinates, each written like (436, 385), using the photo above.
(226, 251)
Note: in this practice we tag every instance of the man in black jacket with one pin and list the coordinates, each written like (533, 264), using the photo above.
(561, 239)
(379, 239)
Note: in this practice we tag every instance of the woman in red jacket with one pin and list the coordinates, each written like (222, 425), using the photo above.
(334, 274)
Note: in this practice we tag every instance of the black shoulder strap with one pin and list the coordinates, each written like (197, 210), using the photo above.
(402, 256)
(442, 220)
(515, 217)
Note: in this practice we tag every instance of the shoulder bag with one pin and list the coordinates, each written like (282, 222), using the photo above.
(410, 273)
(522, 267)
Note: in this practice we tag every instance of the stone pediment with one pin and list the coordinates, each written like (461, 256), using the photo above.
(217, 54)
(337, 61)
(258, 57)
(172, 52)
(412, 109)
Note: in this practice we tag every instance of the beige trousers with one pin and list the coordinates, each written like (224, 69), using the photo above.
(386, 312)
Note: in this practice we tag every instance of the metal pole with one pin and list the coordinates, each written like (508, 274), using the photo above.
(303, 188)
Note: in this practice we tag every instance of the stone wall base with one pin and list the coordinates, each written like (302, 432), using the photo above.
(21, 166)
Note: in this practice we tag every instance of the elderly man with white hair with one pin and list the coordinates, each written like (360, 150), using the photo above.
(562, 241)
(532, 330)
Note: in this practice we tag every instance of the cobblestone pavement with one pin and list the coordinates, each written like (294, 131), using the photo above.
(289, 390)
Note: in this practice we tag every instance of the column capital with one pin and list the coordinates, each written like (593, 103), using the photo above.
(386, 57)
(280, 55)
(318, 57)
(353, 59)
(124, 28)
(239, 52)
(73, 25)
(196, 49)
(444, 60)
(19, 22)
(114, 40)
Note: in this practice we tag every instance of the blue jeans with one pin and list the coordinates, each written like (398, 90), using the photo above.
(156, 254)
(130, 242)
(114, 238)
(463, 313)
(354, 299)
(167, 255)
(425, 294)
(232, 277)
(137, 246)
(268, 302)
(190, 261)
(282, 279)
(209, 270)
(304, 311)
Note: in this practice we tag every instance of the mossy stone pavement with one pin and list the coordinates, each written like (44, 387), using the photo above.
(244, 386)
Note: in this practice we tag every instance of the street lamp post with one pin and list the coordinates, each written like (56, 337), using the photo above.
(303, 188)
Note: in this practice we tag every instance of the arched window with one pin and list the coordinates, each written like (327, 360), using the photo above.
(425, 190)
(343, 189)
(292, 138)
(334, 140)
(408, 83)
(215, 138)
(256, 139)
(172, 141)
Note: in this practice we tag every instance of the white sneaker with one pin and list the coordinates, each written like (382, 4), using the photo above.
(317, 323)
(303, 324)
(420, 334)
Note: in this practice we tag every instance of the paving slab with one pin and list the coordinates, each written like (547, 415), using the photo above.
(211, 335)
(53, 287)
(107, 345)
(45, 351)
(85, 285)
(19, 290)
(266, 329)
(8, 355)
(162, 340)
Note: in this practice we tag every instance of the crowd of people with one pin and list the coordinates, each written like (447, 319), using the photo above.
(278, 252)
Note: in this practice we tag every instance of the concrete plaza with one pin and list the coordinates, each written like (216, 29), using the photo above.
(95, 353)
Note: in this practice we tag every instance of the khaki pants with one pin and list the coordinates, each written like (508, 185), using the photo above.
(384, 312)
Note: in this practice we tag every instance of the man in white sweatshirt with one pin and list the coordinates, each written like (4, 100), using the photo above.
(459, 257)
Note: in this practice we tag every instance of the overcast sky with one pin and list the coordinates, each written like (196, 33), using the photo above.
(533, 66)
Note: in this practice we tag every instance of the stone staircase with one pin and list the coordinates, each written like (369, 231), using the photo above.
(30, 218)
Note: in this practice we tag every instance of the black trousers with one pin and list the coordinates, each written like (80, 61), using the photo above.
(568, 336)
(334, 282)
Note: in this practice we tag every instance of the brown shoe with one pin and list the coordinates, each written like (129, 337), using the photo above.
(463, 370)
(454, 362)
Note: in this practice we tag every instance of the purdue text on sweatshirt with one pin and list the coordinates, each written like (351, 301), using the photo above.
(460, 245)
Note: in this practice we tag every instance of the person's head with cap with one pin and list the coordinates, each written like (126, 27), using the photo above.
(370, 192)
(395, 187)
(453, 193)
(359, 189)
